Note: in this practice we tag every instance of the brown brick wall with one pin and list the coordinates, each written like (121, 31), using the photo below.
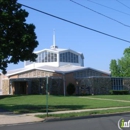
(13, 76)
(5, 87)
(57, 75)
(37, 73)
(69, 78)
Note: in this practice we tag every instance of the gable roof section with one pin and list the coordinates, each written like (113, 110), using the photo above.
(62, 69)
(107, 73)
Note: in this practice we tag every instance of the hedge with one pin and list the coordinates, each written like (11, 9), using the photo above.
(119, 92)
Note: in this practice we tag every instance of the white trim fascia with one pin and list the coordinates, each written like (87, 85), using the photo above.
(51, 50)
(20, 72)
(29, 70)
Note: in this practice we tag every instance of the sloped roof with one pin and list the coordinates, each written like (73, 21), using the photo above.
(17, 71)
(62, 69)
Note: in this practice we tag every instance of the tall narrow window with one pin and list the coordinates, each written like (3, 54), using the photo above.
(45, 56)
(49, 57)
(55, 57)
(39, 57)
(65, 57)
(52, 57)
(42, 56)
(68, 56)
(61, 57)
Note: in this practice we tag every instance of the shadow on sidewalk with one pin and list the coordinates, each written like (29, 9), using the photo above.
(3, 110)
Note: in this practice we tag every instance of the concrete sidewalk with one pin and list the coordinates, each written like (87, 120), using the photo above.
(106, 99)
(7, 118)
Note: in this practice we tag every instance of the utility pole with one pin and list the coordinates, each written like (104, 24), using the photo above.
(47, 96)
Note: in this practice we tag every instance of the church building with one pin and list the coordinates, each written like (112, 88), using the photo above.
(61, 66)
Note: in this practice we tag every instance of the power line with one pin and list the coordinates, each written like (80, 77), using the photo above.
(100, 13)
(108, 7)
(123, 4)
(75, 23)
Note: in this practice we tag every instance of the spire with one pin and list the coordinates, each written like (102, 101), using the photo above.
(54, 41)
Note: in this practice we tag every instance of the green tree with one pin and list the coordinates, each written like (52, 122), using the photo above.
(125, 63)
(114, 68)
(121, 68)
(17, 38)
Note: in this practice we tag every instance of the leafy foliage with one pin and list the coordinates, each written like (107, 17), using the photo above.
(17, 38)
(70, 89)
(114, 68)
(121, 67)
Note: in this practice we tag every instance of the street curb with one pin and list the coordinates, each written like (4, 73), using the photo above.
(51, 119)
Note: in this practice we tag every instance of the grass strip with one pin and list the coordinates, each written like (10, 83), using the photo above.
(88, 113)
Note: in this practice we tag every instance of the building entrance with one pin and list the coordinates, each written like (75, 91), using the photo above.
(19, 87)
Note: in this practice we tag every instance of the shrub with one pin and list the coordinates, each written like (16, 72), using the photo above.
(119, 92)
(111, 92)
(70, 89)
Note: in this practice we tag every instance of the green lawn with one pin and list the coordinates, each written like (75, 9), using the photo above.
(37, 103)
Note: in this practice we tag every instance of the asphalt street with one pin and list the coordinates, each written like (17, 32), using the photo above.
(98, 123)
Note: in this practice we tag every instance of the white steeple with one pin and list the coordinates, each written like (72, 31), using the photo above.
(54, 41)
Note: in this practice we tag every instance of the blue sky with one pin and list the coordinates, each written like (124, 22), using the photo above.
(98, 49)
